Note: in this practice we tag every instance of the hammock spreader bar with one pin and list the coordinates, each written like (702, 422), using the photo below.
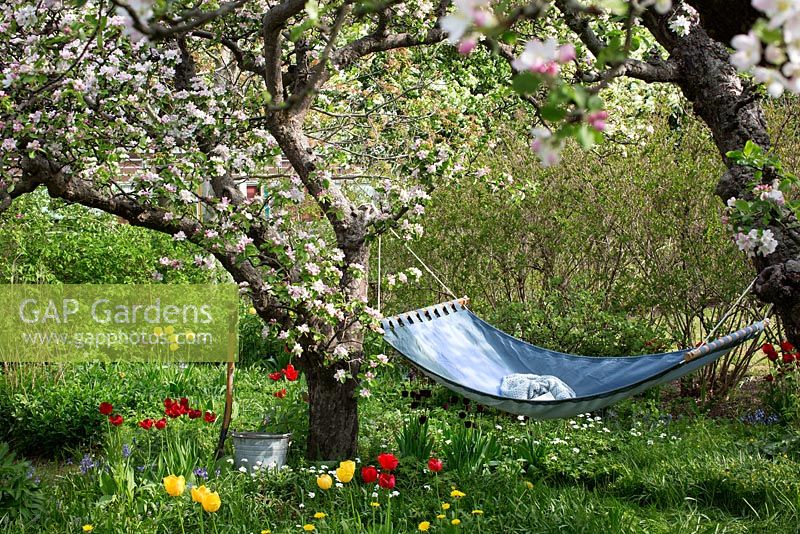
(456, 348)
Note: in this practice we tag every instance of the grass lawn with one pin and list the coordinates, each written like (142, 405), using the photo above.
(634, 468)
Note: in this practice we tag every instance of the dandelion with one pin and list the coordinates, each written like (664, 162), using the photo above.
(320, 515)
(308, 527)
(424, 526)
(529, 484)
(266, 531)
(477, 512)
(88, 528)
(445, 506)
(440, 516)
(455, 522)
(375, 504)
(457, 494)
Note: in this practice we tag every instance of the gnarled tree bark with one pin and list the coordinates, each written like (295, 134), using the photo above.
(730, 107)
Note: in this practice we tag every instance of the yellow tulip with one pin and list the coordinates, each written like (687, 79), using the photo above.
(346, 471)
(174, 485)
(199, 493)
(424, 526)
(211, 502)
(324, 482)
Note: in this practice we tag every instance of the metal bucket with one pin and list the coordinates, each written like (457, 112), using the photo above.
(260, 449)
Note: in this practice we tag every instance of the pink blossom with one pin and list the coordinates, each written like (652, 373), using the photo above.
(566, 53)
(466, 46)
(597, 120)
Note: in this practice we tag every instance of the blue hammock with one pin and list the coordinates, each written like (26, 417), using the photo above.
(456, 348)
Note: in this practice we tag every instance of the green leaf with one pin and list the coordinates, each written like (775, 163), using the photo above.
(509, 37)
(553, 113)
(751, 149)
(526, 83)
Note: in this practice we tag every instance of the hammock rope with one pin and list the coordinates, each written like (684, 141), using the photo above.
(730, 311)
(447, 290)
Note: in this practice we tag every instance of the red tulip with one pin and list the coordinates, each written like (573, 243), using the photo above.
(787, 347)
(147, 424)
(210, 417)
(369, 474)
(276, 375)
(788, 358)
(388, 461)
(280, 394)
(115, 420)
(161, 424)
(106, 408)
(435, 465)
(386, 480)
(291, 373)
(173, 411)
(184, 402)
(195, 414)
(168, 402)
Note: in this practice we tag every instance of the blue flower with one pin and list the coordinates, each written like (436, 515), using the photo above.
(201, 472)
(87, 464)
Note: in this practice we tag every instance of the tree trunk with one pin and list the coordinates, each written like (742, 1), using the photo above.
(332, 416)
(333, 405)
(730, 107)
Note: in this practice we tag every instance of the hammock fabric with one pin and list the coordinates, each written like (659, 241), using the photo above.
(456, 348)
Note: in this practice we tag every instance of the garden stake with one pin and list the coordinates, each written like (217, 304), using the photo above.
(226, 416)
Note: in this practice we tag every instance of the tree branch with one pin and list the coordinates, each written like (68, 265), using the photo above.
(272, 23)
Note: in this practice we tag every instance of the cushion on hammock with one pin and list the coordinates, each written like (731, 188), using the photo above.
(535, 387)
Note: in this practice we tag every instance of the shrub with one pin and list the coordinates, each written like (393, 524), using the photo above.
(21, 497)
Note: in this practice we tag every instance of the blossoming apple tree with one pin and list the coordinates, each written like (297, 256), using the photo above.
(208, 94)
